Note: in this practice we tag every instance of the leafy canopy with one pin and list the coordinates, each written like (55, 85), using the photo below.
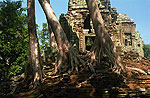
(13, 38)
(43, 36)
(146, 49)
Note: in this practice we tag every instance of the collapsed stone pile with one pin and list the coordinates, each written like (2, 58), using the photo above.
(104, 83)
(101, 84)
(138, 79)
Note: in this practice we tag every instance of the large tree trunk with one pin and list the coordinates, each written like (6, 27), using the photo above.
(52, 41)
(33, 70)
(103, 46)
(67, 60)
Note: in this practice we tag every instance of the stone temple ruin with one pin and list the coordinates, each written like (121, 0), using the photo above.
(80, 32)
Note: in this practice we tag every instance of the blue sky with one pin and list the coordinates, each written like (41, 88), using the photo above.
(139, 10)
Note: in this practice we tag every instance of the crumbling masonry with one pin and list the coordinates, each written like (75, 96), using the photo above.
(79, 28)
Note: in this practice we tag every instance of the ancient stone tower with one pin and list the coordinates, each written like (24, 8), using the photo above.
(131, 40)
(79, 28)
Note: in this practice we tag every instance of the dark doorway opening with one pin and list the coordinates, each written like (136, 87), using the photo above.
(129, 40)
(87, 23)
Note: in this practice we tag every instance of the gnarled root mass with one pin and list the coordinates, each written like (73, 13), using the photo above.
(103, 48)
(66, 62)
(104, 52)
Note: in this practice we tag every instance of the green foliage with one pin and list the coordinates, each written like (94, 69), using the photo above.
(89, 42)
(146, 49)
(50, 52)
(43, 36)
(51, 55)
(13, 38)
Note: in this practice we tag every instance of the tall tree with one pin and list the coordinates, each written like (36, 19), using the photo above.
(103, 46)
(33, 70)
(67, 60)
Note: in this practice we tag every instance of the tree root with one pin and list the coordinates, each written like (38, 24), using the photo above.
(20, 85)
(136, 70)
(70, 62)
(86, 81)
(67, 62)
(105, 52)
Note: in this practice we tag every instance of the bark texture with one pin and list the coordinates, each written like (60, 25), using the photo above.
(67, 60)
(103, 46)
(51, 37)
(34, 69)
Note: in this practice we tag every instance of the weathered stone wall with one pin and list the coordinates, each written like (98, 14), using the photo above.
(133, 41)
(79, 28)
